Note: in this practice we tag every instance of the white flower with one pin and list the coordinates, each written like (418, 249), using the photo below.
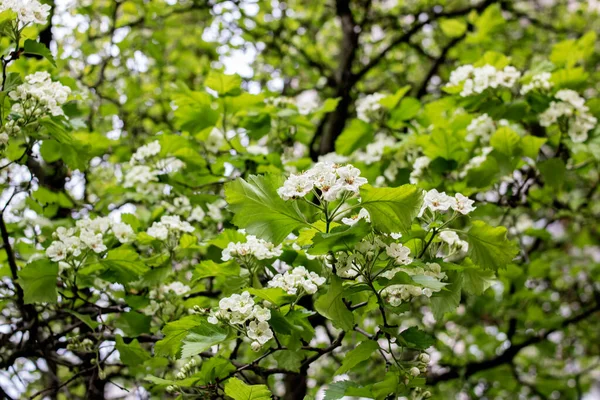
(93, 240)
(374, 150)
(57, 251)
(362, 214)
(419, 165)
(437, 201)
(296, 186)
(158, 231)
(368, 108)
(176, 287)
(214, 141)
(457, 248)
(414, 371)
(400, 253)
(146, 151)
(140, 175)
(28, 11)
(571, 107)
(260, 332)
(261, 313)
(296, 279)
(197, 214)
(540, 82)
(482, 127)
(253, 246)
(477, 80)
(39, 95)
(123, 232)
(463, 204)
(331, 179)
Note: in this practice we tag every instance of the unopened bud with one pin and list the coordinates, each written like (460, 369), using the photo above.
(414, 371)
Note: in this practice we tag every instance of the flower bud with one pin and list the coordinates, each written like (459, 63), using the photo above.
(424, 357)
(414, 371)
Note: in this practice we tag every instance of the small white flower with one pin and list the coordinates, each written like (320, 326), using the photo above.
(362, 214)
(57, 251)
(400, 253)
(463, 204)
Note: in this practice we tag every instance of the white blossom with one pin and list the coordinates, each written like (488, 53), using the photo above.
(369, 107)
(475, 80)
(253, 246)
(28, 11)
(572, 108)
(462, 204)
(362, 214)
(540, 82)
(400, 253)
(436, 201)
(297, 279)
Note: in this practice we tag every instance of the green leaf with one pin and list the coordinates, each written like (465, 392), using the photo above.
(39, 49)
(194, 111)
(258, 208)
(447, 300)
(428, 282)
(415, 338)
(390, 102)
(223, 84)
(38, 280)
(340, 238)
(387, 386)
(392, 209)
(201, 338)
(489, 247)
(174, 333)
(238, 390)
(506, 141)
(331, 305)
(553, 171)
(357, 134)
(86, 319)
(408, 108)
(531, 145)
(277, 296)
(121, 265)
(131, 354)
(453, 27)
(443, 143)
(357, 355)
(477, 281)
(208, 268)
(133, 324)
(289, 360)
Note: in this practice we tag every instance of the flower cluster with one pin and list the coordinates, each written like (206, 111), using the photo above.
(436, 201)
(146, 167)
(481, 127)
(39, 95)
(241, 312)
(89, 234)
(169, 227)
(540, 82)
(332, 180)
(400, 253)
(572, 108)
(456, 250)
(369, 107)
(36, 97)
(254, 247)
(478, 79)
(297, 279)
(374, 150)
(419, 166)
(398, 294)
(28, 11)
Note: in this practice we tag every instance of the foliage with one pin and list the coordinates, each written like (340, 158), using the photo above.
(394, 199)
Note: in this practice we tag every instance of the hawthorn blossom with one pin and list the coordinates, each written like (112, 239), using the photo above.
(400, 253)
(28, 11)
(475, 80)
(253, 246)
(297, 279)
(570, 107)
(369, 107)
(332, 180)
(540, 82)
(362, 214)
